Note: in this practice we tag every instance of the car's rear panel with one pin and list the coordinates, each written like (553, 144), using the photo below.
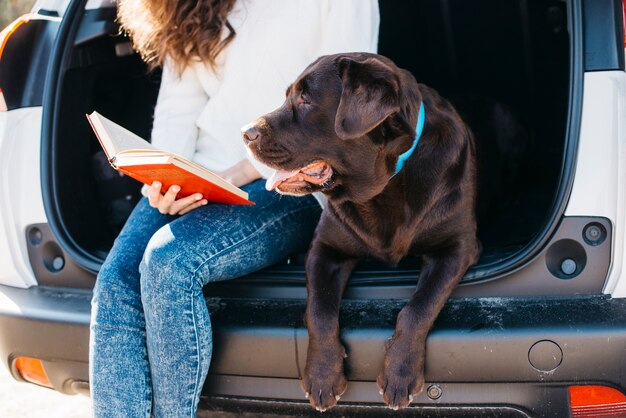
(24, 54)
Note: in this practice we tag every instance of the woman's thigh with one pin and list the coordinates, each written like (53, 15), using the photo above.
(220, 242)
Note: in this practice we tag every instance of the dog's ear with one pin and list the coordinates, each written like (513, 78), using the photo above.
(370, 94)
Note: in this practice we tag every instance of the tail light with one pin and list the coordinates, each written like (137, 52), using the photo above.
(4, 38)
(10, 30)
(3, 104)
(596, 402)
(31, 370)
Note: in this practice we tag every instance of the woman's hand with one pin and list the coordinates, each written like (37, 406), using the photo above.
(241, 173)
(167, 203)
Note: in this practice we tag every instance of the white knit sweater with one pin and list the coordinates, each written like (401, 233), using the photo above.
(199, 114)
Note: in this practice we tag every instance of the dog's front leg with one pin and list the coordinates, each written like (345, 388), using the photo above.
(402, 376)
(327, 272)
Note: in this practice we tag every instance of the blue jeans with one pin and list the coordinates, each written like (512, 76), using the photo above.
(150, 344)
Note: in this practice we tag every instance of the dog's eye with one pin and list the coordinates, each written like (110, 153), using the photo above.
(303, 99)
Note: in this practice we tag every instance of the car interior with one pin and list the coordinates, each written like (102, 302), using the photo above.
(491, 56)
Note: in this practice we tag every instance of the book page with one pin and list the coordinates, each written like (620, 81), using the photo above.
(114, 138)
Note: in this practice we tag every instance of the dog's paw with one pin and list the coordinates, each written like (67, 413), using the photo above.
(324, 382)
(402, 376)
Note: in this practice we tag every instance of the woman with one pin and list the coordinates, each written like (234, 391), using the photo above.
(224, 64)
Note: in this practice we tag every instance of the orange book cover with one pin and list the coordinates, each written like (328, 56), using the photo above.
(131, 155)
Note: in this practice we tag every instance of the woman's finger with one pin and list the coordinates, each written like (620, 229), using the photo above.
(182, 203)
(193, 206)
(154, 197)
(168, 198)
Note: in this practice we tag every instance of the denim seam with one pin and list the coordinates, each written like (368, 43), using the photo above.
(198, 366)
(125, 328)
(148, 393)
(195, 275)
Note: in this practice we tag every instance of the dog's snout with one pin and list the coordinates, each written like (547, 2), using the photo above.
(251, 133)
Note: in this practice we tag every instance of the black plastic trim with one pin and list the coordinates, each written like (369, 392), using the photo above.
(604, 35)
(46, 12)
(236, 407)
(96, 23)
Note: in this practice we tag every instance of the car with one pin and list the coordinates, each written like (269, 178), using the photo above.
(536, 328)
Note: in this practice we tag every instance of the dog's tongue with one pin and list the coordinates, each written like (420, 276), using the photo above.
(278, 177)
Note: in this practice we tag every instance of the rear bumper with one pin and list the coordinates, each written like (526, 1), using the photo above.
(478, 352)
(51, 324)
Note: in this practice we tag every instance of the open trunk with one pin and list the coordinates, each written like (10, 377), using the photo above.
(516, 53)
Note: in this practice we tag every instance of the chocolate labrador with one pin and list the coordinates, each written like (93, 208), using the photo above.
(396, 164)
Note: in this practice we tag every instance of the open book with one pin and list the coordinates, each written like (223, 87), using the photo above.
(131, 155)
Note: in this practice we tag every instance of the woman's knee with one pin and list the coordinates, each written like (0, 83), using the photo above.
(120, 269)
(115, 279)
(166, 266)
(116, 301)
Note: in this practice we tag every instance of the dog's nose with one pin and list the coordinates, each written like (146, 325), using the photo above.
(250, 133)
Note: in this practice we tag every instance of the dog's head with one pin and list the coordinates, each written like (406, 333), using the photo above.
(344, 122)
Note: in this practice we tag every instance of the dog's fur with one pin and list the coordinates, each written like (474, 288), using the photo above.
(344, 123)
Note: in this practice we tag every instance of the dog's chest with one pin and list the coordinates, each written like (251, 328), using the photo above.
(394, 250)
(386, 233)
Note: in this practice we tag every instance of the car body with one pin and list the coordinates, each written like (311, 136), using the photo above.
(538, 328)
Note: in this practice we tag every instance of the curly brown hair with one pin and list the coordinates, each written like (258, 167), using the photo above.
(179, 29)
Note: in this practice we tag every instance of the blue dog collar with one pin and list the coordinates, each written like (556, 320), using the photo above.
(418, 133)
